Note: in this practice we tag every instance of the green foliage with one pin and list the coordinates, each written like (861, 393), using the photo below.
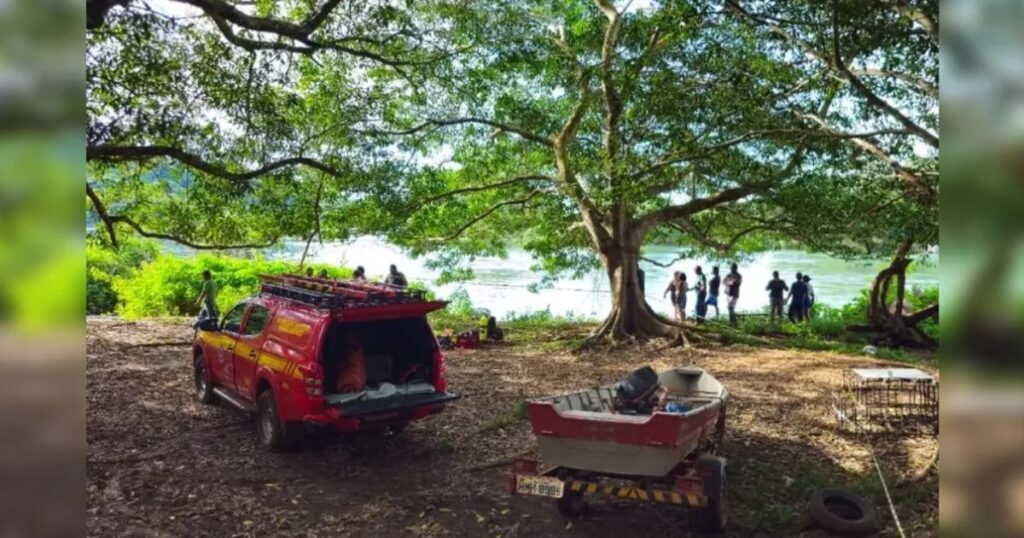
(102, 265)
(169, 285)
(51, 295)
(40, 218)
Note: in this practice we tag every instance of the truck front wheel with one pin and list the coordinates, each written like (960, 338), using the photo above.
(204, 387)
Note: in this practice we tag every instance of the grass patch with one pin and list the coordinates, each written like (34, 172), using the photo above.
(513, 417)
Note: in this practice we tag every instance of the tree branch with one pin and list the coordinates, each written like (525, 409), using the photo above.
(112, 153)
(111, 220)
(101, 211)
(613, 111)
(521, 132)
(871, 96)
(498, 184)
(844, 74)
(677, 158)
(916, 182)
(299, 32)
(920, 83)
(485, 214)
(687, 225)
(696, 205)
(922, 314)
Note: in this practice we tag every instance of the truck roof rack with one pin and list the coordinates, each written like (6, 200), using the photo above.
(334, 293)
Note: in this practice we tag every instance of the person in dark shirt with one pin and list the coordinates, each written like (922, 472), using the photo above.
(776, 287)
(701, 286)
(396, 277)
(713, 286)
(797, 295)
(732, 291)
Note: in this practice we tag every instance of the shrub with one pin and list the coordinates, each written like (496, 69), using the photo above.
(169, 285)
(103, 265)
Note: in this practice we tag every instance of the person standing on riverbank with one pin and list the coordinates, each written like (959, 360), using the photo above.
(732, 290)
(701, 285)
(797, 294)
(681, 289)
(713, 287)
(670, 290)
(809, 300)
(776, 287)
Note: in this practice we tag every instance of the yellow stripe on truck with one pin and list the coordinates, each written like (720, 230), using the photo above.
(280, 364)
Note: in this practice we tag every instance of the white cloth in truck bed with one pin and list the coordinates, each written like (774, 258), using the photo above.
(384, 390)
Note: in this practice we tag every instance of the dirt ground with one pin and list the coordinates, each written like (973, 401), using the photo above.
(160, 463)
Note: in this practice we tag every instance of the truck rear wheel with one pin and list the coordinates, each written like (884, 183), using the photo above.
(272, 434)
(204, 387)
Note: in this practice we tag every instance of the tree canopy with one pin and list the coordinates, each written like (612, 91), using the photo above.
(580, 130)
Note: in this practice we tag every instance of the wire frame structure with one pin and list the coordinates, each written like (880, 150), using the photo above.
(900, 400)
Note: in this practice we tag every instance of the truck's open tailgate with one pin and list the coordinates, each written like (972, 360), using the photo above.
(395, 403)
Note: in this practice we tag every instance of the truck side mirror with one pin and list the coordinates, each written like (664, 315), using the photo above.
(209, 324)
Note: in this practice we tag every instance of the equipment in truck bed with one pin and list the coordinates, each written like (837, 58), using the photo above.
(330, 293)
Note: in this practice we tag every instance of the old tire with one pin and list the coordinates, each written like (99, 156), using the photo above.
(842, 513)
(272, 434)
(203, 384)
(572, 503)
(711, 519)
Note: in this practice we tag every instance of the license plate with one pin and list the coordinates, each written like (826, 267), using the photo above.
(544, 486)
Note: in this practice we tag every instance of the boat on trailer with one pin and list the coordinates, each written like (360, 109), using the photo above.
(587, 445)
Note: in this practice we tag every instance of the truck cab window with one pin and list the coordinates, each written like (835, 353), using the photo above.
(233, 319)
(258, 318)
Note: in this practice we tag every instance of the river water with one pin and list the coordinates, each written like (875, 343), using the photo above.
(501, 284)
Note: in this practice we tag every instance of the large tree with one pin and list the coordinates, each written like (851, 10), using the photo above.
(579, 130)
(585, 129)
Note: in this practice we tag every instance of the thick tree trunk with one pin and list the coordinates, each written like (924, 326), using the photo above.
(631, 318)
(895, 327)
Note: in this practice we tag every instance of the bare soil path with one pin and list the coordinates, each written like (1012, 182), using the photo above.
(162, 464)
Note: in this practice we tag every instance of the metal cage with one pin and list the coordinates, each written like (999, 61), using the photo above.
(903, 400)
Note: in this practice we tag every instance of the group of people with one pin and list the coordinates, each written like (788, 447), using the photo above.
(799, 294)
(208, 292)
(800, 297)
(707, 292)
(394, 277)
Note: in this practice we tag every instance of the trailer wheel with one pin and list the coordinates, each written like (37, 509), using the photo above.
(572, 503)
(711, 519)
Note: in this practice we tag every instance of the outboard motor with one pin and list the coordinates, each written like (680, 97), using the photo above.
(636, 392)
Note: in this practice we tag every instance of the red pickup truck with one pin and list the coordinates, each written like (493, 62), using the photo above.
(310, 352)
